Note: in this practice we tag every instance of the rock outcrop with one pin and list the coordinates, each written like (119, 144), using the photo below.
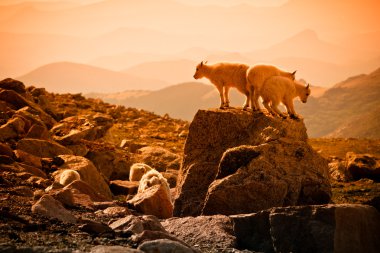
(363, 166)
(271, 152)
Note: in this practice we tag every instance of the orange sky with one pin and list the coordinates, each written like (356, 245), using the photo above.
(327, 40)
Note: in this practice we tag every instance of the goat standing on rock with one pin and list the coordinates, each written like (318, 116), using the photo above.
(224, 76)
(279, 89)
(256, 77)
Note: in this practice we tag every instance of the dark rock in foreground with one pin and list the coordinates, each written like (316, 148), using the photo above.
(329, 228)
(320, 228)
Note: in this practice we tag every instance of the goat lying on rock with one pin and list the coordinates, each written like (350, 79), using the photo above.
(279, 89)
(224, 76)
(151, 178)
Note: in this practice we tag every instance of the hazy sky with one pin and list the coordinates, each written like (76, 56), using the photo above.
(325, 40)
(197, 2)
(235, 2)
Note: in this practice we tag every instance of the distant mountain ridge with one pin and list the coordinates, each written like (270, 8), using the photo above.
(75, 77)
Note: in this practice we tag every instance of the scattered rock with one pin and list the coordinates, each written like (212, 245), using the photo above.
(159, 158)
(51, 208)
(338, 172)
(42, 148)
(363, 166)
(37, 131)
(5, 150)
(113, 249)
(113, 164)
(78, 149)
(27, 158)
(137, 224)
(22, 191)
(114, 211)
(11, 84)
(12, 129)
(79, 193)
(95, 228)
(203, 232)
(21, 167)
(164, 246)
(120, 187)
(87, 171)
(14, 99)
(73, 129)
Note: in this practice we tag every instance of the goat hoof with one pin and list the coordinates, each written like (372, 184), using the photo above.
(295, 117)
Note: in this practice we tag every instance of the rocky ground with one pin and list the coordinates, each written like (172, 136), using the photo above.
(43, 134)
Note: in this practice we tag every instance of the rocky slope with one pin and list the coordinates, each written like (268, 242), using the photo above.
(65, 163)
(349, 109)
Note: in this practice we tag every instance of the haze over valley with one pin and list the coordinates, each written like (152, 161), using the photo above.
(147, 38)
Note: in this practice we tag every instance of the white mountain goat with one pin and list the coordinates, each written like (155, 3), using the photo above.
(225, 76)
(68, 176)
(257, 75)
(138, 170)
(151, 178)
(279, 89)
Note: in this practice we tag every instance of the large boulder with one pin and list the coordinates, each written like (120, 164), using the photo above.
(87, 171)
(212, 133)
(281, 173)
(326, 228)
(363, 166)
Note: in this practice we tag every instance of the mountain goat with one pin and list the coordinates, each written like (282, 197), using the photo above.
(279, 89)
(224, 76)
(151, 178)
(138, 170)
(256, 77)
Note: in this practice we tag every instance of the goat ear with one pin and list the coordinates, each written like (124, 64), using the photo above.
(294, 73)
(307, 86)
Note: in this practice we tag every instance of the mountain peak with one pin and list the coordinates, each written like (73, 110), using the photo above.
(305, 35)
